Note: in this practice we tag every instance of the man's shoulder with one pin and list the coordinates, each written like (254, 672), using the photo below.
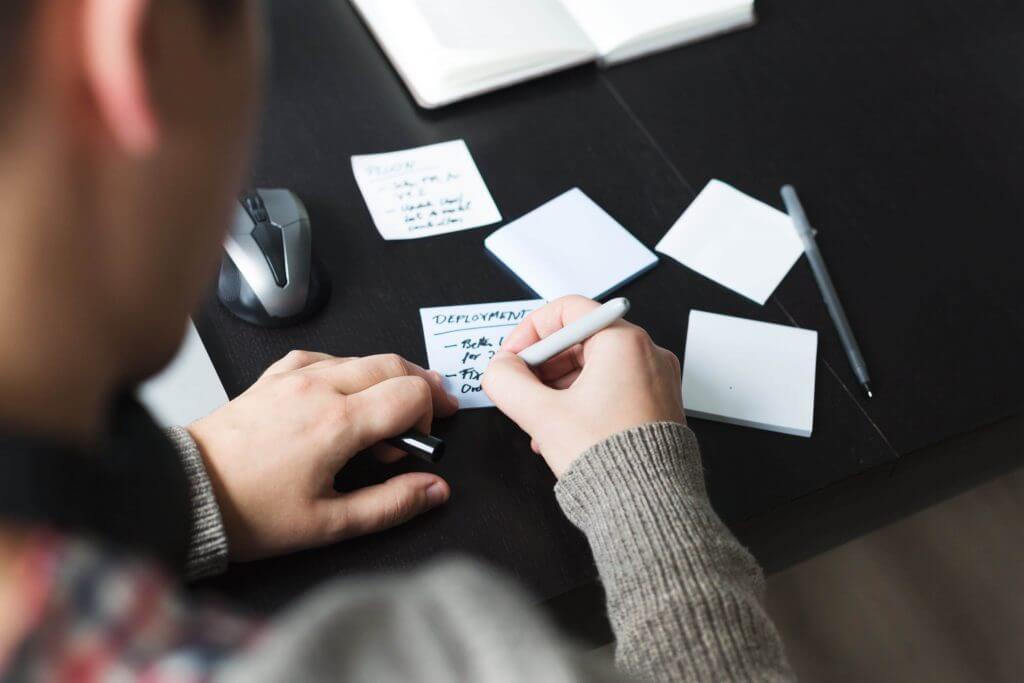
(98, 609)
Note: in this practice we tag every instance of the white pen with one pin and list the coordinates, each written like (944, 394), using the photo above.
(575, 332)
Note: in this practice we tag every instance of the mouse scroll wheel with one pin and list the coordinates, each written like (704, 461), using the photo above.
(254, 205)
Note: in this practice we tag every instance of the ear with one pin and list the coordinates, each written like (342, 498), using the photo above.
(113, 43)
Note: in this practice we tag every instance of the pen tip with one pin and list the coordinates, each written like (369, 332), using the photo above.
(867, 390)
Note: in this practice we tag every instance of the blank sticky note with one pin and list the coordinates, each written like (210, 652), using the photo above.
(750, 373)
(570, 246)
(187, 389)
(735, 240)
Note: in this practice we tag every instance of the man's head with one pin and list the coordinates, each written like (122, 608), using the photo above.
(124, 132)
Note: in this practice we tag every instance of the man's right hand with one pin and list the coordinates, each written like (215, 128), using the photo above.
(616, 380)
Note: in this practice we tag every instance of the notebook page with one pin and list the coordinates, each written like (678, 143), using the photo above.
(441, 48)
(514, 35)
(615, 24)
(523, 26)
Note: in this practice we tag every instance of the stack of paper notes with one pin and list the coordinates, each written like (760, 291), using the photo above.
(570, 246)
(447, 50)
(750, 373)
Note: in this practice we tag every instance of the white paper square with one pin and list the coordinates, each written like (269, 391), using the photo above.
(735, 240)
(750, 373)
(570, 246)
(461, 340)
(187, 389)
(425, 191)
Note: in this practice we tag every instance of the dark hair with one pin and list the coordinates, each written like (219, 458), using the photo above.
(13, 20)
(17, 15)
(221, 10)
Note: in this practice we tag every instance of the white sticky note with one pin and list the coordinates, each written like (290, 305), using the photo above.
(737, 241)
(425, 191)
(461, 340)
(750, 373)
(187, 389)
(570, 246)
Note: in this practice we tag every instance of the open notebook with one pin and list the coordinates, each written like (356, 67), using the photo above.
(448, 50)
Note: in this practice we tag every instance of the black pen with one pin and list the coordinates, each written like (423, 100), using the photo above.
(423, 446)
(828, 290)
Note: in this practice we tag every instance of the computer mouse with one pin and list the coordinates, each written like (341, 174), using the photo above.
(269, 276)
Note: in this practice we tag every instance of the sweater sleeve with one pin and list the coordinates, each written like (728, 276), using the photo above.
(684, 597)
(208, 545)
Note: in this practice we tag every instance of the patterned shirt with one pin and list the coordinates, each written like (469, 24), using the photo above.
(100, 616)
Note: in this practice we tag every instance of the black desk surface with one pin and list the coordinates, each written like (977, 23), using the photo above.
(902, 125)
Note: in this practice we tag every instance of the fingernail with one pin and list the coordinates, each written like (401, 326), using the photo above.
(452, 400)
(436, 376)
(437, 494)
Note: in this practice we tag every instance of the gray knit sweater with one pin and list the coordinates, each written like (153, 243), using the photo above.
(684, 597)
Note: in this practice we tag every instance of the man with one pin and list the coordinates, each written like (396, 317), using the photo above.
(124, 133)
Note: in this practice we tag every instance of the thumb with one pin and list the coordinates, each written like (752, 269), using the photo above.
(515, 390)
(386, 505)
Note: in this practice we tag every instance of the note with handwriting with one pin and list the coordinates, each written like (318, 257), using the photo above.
(461, 340)
(424, 191)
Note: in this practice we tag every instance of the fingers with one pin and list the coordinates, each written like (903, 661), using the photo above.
(388, 409)
(547, 320)
(566, 380)
(361, 374)
(387, 454)
(566, 363)
(296, 360)
(515, 390)
(383, 506)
